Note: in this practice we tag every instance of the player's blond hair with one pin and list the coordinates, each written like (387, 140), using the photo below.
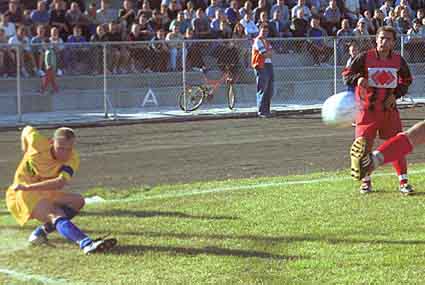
(64, 133)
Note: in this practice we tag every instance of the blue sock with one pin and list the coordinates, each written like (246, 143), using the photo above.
(68, 230)
(39, 231)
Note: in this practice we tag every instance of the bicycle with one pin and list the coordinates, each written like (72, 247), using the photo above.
(196, 95)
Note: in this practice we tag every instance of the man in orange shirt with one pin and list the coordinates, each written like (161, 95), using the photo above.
(46, 168)
(262, 64)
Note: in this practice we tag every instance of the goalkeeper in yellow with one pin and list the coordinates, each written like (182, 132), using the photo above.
(36, 193)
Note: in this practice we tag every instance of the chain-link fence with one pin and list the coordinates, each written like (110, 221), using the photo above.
(119, 79)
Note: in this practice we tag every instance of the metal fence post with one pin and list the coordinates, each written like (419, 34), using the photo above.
(105, 83)
(402, 45)
(184, 73)
(335, 65)
(18, 84)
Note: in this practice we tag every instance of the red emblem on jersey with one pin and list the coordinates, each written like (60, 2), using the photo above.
(383, 77)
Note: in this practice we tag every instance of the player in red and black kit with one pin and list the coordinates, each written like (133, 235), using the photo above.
(381, 76)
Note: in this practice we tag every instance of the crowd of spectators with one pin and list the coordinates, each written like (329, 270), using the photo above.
(163, 22)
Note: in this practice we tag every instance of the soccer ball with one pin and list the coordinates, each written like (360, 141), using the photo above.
(340, 109)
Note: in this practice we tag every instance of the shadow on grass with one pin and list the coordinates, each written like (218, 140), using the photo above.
(211, 250)
(147, 214)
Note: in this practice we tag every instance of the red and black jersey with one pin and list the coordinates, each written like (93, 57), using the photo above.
(385, 77)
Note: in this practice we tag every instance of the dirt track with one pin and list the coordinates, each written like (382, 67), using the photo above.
(163, 153)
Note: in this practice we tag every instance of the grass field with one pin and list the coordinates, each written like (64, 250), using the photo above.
(314, 229)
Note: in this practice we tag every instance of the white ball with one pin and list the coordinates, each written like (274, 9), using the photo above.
(339, 109)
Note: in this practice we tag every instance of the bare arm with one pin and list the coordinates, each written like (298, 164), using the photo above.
(48, 185)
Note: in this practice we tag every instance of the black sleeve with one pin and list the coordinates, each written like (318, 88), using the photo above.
(404, 79)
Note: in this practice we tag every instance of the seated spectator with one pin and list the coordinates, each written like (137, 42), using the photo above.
(232, 13)
(299, 25)
(377, 20)
(284, 12)
(174, 40)
(278, 30)
(189, 12)
(173, 10)
(106, 14)
(37, 44)
(243, 44)
(140, 54)
(160, 52)
(301, 7)
(211, 9)
(262, 7)
(75, 17)
(155, 23)
(146, 32)
(318, 48)
(361, 28)
(27, 57)
(247, 8)
(59, 48)
(90, 18)
(251, 29)
(58, 19)
(75, 54)
(40, 16)
(420, 15)
(332, 18)
(165, 19)
(145, 9)
(404, 4)
(262, 20)
(386, 7)
(215, 22)
(8, 27)
(390, 20)
(352, 11)
(418, 4)
(403, 22)
(15, 13)
(183, 23)
(127, 15)
(201, 26)
(415, 42)
(99, 36)
(344, 40)
(118, 53)
(4, 64)
(367, 18)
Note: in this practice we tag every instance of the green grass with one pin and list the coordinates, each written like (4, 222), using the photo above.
(253, 231)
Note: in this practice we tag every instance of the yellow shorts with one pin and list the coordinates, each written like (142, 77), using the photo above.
(22, 203)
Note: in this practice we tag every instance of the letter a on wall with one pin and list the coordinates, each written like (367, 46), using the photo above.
(150, 98)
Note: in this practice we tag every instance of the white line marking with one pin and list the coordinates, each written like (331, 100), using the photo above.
(244, 187)
(28, 277)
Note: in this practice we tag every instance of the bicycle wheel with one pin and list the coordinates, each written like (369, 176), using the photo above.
(194, 98)
(231, 96)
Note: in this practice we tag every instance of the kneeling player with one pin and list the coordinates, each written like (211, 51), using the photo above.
(47, 166)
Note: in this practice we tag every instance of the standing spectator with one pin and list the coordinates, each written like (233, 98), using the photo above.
(140, 54)
(415, 42)
(38, 43)
(243, 44)
(232, 13)
(119, 53)
(284, 12)
(343, 40)
(4, 64)
(127, 15)
(8, 27)
(317, 47)
(303, 7)
(90, 18)
(98, 37)
(251, 29)
(50, 63)
(332, 18)
(262, 64)
(106, 14)
(201, 27)
(262, 7)
(160, 52)
(378, 112)
(299, 25)
(58, 19)
(40, 16)
(27, 57)
(58, 45)
(194, 52)
(76, 53)
(353, 51)
(174, 39)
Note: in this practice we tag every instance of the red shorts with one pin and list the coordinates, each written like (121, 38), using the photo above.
(370, 123)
